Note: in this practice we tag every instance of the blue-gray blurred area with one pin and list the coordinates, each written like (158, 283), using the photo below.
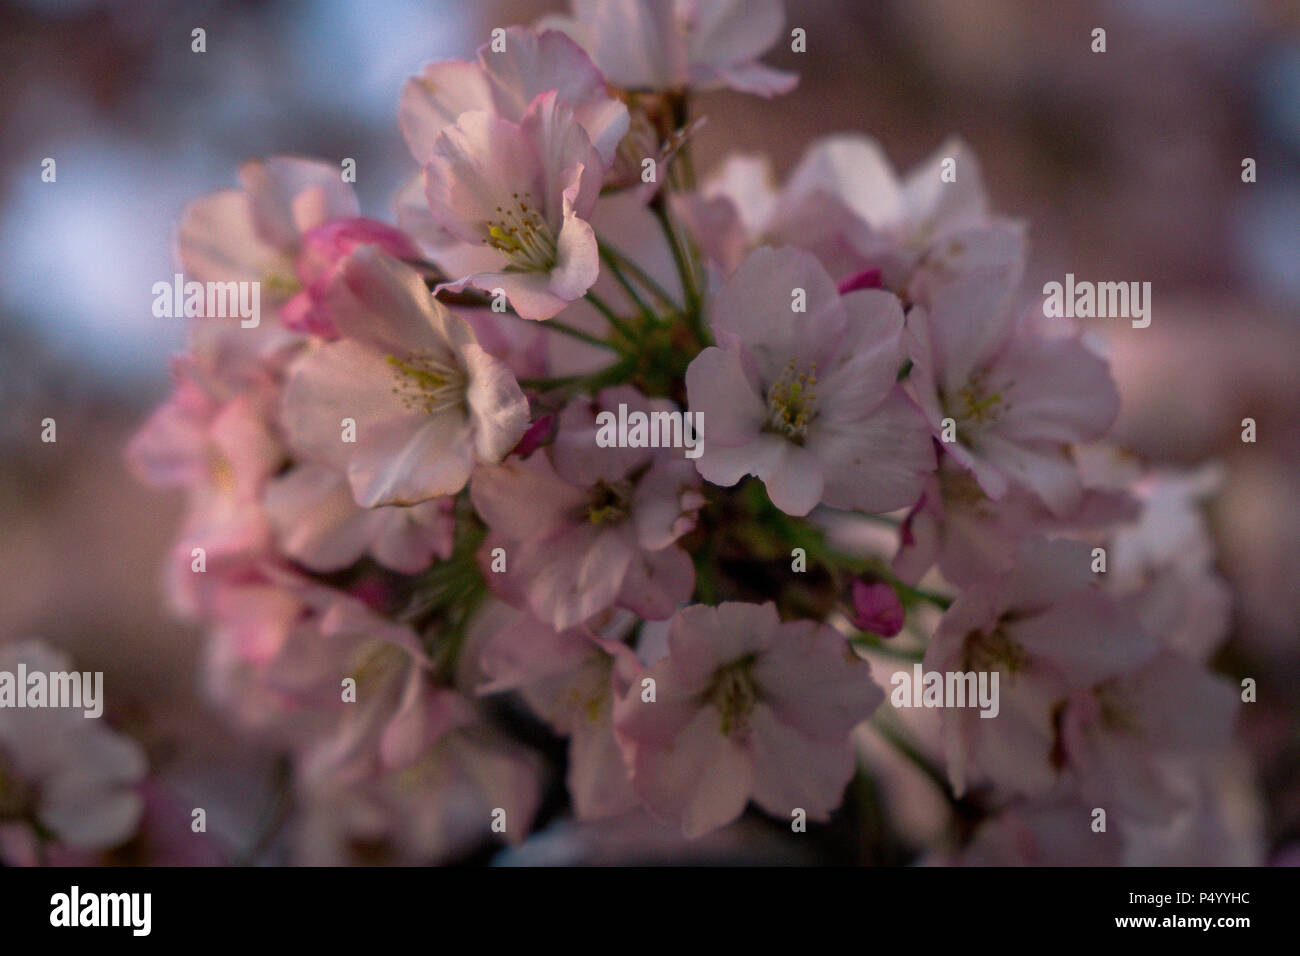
(1127, 158)
(1126, 165)
(138, 124)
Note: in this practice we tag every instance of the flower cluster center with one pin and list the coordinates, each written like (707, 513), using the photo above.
(426, 383)
(994, 651)
(1117, 715)
(221, 471)
(977, 404)
(281, 284)
(735, 694)
(961, 488)
(609, 503)
(792, 402)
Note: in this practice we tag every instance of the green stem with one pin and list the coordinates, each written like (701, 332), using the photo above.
(680, 257)
(915, 757)
(647, 281)
(610, 375)
(274, 816)
(874, 643)
(813, 540)
(878, 569)
(648, 313)
(938, 600)
(885, 520)
(556, 326)
(681, 119)
(619, 326)
(546, 384)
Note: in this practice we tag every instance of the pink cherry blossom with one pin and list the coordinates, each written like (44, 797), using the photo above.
(1120, 736)
(970, 535)
(571, 679)
(670, 44)
(433, 581)
(319, 524)
(844, 202)
(745, 707)
(505, 83)
(322, 251)
(523, 192)
(807, 401)
(253, 234)
(1014, 399)
(876, 608)
(601, 523)
(1048, 629)
(62, 772)
(426, 399)
(530, 349)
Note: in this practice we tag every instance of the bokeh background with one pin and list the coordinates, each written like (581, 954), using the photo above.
(1127, 166)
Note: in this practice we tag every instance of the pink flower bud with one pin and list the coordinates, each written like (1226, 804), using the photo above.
(876, 608)
(538, 432)
(868, 279)
(322, 249)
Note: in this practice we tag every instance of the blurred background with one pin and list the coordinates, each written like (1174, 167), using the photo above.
(1127, 166)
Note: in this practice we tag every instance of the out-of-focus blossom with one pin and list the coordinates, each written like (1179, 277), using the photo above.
(255, 234)
(970, 535)
(1120, 735)
(1051, 832)
(601, 522)
(844, 203)
(223, 452)
(673, 44)
(433, 809)
(1047, 629)
(745, 707)
(63, 777)
(319, 524)
(1218, 827)
(281, 647)
(1219, 822)
(571, 679)
(1164, 563)
(505, 83)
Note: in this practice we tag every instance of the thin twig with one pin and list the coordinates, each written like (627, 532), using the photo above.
(680, 257)
(650, 316)
(646, 280)
(557, 326)
(619, 326)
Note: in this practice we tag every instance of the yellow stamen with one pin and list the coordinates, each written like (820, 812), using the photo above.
(792, 402)
(427, 383)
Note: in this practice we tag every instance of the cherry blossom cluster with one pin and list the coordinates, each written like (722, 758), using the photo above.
(406, 541)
